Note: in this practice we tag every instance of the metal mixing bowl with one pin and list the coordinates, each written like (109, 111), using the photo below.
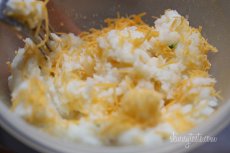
(212, 15)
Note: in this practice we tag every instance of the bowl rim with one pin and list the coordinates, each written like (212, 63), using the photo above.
(21, 130)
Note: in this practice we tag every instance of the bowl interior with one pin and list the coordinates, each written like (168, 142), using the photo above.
(81, 15)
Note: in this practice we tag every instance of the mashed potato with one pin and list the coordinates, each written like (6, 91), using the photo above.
(128, 83)
(30, 12)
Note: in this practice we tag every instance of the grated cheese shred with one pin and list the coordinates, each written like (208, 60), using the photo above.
(117, 85)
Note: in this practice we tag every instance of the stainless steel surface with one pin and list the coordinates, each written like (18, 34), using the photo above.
(212, 15)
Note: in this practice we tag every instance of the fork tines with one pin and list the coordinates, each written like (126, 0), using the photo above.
(41, 36)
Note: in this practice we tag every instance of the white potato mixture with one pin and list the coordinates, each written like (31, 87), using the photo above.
(127, 83)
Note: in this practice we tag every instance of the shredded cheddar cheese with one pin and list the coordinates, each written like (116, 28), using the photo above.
(127, 83)
(32, 13)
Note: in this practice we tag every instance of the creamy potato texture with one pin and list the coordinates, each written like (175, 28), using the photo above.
(127, 83)
(30, 12)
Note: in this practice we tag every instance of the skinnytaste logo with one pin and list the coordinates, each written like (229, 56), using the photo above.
(191, 138)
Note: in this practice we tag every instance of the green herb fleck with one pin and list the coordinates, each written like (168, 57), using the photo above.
(172, 46)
